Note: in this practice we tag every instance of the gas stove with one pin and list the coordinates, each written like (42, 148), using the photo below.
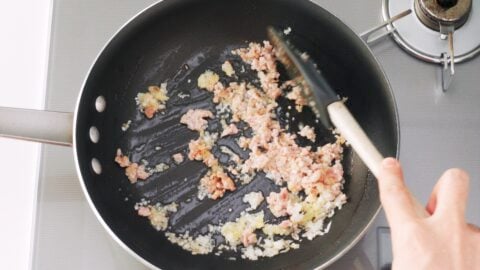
(430, 60)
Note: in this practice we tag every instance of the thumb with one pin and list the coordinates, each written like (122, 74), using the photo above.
(394, 194)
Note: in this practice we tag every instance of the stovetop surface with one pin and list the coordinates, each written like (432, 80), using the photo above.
(438, 131)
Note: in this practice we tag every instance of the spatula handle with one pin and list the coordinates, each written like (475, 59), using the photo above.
(349, 128)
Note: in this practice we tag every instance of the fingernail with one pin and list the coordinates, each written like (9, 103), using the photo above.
(389, 162)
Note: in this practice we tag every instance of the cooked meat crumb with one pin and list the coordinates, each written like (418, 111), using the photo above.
(297, 96)
(157, 214)
(178, 158)
(308, 132)
(243, 142)
(195, 119)
(215, 184)
(133, 171)
(199, 149)
(262, 59)
(122, 160)
(153, 101)
(229, 130)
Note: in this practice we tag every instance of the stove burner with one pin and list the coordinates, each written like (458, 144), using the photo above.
(427, 44)
(429, 36)
(437, 13)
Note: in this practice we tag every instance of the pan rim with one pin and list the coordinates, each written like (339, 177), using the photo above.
(119, 241)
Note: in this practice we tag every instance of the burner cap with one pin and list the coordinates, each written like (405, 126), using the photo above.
(434, 13)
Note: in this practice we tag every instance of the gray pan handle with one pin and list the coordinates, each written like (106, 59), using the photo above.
(37, 126)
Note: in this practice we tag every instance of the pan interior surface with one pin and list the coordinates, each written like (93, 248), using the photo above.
(174, 42)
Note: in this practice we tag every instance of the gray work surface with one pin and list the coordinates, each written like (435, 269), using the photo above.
(438, 131)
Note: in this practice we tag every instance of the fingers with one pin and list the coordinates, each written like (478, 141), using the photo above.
(394, 194)
(432, 203)
(474, 228)
(449, 196)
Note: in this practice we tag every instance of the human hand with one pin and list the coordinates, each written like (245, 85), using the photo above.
(441, 240)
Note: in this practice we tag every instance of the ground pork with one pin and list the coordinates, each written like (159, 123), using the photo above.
(229, 130)
(157, 214)
(215, 184)
(178, 158)
(262, 59)
(195, 119)
(153, 101)
(200, 149)
(133, 171)
(308, 132)
(296, 95)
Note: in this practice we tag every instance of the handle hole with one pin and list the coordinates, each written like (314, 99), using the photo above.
(96, 166)
(94, 134)
(100, 104)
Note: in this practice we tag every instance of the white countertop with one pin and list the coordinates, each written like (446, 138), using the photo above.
(24, 28)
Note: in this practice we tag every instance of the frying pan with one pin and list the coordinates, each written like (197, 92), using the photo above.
(174, 41)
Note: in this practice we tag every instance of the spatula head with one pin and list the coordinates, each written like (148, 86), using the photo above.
(315, 88)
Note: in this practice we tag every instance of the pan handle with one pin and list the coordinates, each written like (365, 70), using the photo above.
(37, 126)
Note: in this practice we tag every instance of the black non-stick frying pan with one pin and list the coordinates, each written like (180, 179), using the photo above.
(175, 41)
